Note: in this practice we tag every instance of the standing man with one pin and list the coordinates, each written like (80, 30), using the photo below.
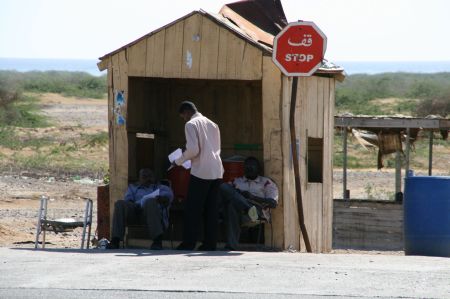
(203, 149)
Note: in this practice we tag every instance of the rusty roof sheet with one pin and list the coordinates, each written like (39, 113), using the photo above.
(266, 15)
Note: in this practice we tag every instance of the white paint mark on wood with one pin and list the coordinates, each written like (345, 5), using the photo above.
(189, 59)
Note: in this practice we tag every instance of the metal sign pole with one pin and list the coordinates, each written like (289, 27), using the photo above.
(298, 188)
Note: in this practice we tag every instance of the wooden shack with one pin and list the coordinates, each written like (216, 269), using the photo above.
(228, 72)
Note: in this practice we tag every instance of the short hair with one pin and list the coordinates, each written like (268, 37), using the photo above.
(187, 106)
(146, 173)
(251, 158)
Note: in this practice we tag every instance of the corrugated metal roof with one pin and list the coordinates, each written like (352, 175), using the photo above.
(265, 15)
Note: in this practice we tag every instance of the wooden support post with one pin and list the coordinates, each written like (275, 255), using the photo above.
(430, 154)
(344, 162)
(298, 189)
(407, 145)
(398, 173)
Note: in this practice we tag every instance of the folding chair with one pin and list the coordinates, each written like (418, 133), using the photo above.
(260, 223)
(64, 224)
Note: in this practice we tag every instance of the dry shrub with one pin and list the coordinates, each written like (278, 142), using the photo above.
(438, 106)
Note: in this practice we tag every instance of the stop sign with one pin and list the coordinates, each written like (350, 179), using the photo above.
(299, 49)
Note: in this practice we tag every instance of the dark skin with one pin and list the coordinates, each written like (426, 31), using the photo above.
(251, 170)
(186, 115)
(149, 179)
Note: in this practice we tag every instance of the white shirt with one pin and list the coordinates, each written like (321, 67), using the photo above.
(202, 148)
(260, 187)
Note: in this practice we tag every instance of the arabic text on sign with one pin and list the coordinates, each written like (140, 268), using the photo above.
(306, 41)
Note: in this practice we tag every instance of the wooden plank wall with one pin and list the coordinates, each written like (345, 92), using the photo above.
(118, 146)
(235, 105)
(367, 225)
(314, 118)
(195, 47)
(328, 138)
(274, 152)
(291, 226)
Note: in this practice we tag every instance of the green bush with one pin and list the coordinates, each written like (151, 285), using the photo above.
(357, 91)
(77, 84)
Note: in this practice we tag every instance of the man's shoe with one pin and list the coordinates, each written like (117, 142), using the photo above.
(183, 246)
(203, 247)
(156, 246)
(112, 245)
(228, 248)
(253, 213)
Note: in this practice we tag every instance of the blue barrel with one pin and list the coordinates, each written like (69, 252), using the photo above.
(427, 215)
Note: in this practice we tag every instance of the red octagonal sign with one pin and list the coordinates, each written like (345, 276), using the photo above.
(299, 49)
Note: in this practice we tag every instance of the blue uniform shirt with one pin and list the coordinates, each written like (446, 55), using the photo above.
(136, 192)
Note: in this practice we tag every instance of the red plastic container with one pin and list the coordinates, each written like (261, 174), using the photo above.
(233, 169)
(179, 178)
(103, 218)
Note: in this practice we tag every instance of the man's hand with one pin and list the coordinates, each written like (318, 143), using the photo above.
(172, 165)
(163, 200)
(247, 194)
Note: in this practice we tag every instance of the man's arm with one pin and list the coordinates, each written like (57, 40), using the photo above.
(264, 202)
(192, 148)
(129, 195)
(271, 195)
(165, 195)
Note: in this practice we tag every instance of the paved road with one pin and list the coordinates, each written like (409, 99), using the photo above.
(26, 273)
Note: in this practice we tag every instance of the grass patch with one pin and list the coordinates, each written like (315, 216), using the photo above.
(26, 113)
(356, 93)
(78, 155)
(77, 84)
(57, 160)
(97, 139)
(9, 138)
(26, 147)
(358, 157)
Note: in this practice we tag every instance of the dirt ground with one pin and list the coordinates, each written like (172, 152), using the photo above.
(20, 192)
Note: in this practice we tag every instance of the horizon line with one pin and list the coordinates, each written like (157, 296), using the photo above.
(336, 60)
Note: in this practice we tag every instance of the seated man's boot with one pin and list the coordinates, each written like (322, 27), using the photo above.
(157, 243)
(114, 244)
(204, 247)
(184, 246)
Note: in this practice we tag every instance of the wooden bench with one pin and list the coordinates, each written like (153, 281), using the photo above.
(138, 236)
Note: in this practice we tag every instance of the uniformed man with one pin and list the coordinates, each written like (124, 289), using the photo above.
(246, 199)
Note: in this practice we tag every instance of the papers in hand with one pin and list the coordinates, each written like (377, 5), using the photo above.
(176, 155)
(152, 195)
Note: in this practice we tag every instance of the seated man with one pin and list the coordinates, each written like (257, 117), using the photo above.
(145, 203)
(250, 196)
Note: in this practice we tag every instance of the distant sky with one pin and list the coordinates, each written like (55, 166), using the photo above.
(357, 30)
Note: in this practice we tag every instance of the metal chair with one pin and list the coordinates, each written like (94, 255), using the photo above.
(260, 223)
(64, 224)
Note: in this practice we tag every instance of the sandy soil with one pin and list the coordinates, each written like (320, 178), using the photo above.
(19, 205)
(20, 193)
(73, 112)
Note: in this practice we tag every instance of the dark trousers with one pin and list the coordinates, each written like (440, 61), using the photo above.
(201, 204)
(233, 208)
(126, 213)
